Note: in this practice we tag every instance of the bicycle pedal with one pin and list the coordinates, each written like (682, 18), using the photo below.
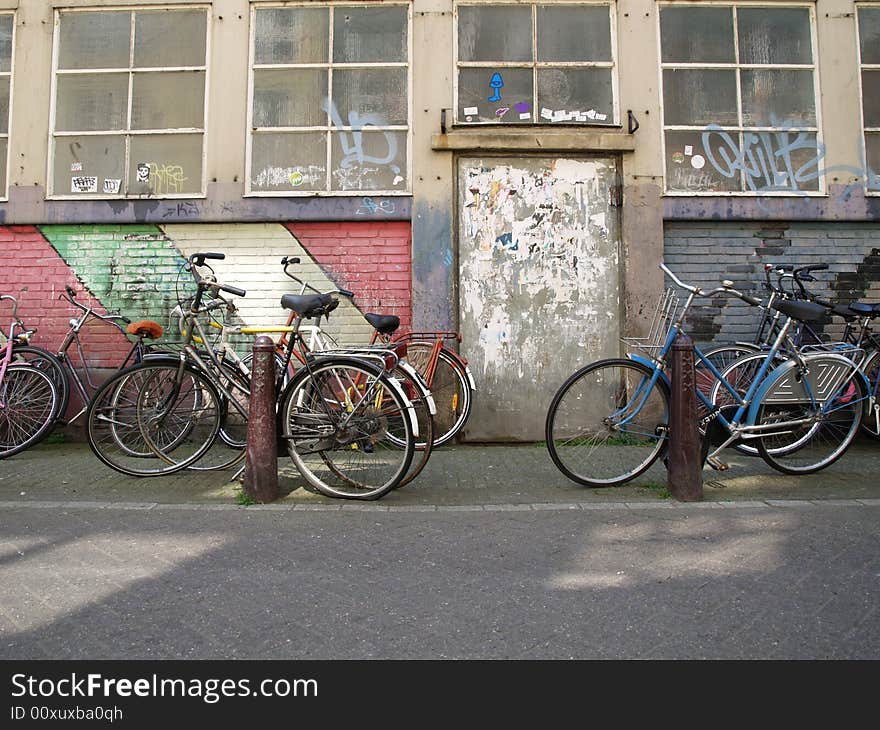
(717, 464)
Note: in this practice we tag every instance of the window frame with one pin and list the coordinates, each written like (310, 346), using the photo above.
(862, 67)
(535, 65)
(4, 191)
(329, 128)
(738, 68)
(128, 133)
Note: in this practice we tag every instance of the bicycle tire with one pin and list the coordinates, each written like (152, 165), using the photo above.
(29, 401)
(229, 448)
(53, 367)
(578, 430)
(338, 442)
(114, 423)
(839, 427)
(871, 415)
(449, 386)
(418, 394)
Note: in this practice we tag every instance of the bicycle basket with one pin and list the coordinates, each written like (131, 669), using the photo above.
(662, 320)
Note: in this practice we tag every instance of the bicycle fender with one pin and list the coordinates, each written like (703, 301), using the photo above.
(777, 378)
(470, 377)
(649, 363)
(423, 387)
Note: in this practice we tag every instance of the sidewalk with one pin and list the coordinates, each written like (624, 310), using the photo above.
(464, 476)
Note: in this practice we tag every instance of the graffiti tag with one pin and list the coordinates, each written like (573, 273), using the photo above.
(371, 207)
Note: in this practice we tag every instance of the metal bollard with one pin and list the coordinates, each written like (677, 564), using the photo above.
(261, 458)
(685, 466)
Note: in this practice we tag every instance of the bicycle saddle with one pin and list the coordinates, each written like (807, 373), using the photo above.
(872, 310)
(145, 328)
(800, 310)
(309, 305)
(383, 323)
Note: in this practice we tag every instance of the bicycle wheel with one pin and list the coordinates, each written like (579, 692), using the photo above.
(606, 424)
(338, 420)
(52, 366)
(449, 387)
(721, 357)
(871, 415)
(826, 431)
(115, 426)
(229, 448)
(418, 393)
(28, 398)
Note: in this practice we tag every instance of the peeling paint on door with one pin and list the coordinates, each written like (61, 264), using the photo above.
(538, 283)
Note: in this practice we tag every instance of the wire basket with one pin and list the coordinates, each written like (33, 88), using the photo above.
(662, 319)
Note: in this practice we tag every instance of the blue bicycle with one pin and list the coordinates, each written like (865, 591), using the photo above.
(609, 421)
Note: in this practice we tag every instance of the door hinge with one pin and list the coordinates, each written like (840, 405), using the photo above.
(615, 196)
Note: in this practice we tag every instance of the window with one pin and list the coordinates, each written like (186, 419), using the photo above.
(535, 64)
(128, 113)
(869, 58)
(7, 26)
(329, 110)
(739, 99)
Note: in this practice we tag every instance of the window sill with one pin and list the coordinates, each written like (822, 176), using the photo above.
(533, 140)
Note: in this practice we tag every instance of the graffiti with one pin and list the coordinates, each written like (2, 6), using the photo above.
(352, 141)
(496, 83)
(182, 210)
(166, 178)
(295, 177)
(370, 207)
(502, 111)
(84, 184)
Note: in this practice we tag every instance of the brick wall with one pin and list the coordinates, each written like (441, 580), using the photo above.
(703, 254)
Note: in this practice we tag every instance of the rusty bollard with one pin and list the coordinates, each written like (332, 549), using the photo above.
(685, 466)
(261, 459)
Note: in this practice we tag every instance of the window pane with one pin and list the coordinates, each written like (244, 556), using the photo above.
(871, 98)
(379, 94)
(291, 35)
(695, 96)
(576, 95)
(89, 163)
(168, 100)
(872, 145)
(3, 149)
(172, 163)
(774, 35)
(711, 43)
(690, 167)
(370, 161)
(778, 98)
(494, 34)
(369, 35)
(94, 40)
(574, 33)
(289, 98)
(869, 34)
(5, 44)
(169, 38)
(289, 162)
(92, 102)
(515, 95)
(4, 105)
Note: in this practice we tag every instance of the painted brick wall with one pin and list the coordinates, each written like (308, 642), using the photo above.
(371, 259)
(33, 263)
(704, 254)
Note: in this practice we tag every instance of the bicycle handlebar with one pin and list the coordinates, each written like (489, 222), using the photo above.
(725, 288)
(288, 260)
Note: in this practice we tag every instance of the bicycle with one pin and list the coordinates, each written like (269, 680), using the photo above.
(28, 397)
(60, 366)
(609, 421)
(336, 412)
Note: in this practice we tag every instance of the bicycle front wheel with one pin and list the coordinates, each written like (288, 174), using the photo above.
(49, 364)
(871, 414)
(28, 400)
(348, 429)
(449, 387)
(808, 437)
(607, 423)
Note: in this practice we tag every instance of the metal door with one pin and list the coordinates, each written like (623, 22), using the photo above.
(539, 290)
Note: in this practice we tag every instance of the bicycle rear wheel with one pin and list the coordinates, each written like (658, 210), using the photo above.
(28, 400)
(449, 387)
(418, 394)
(339, 420)
(824, 436)
(607, 424)
(871, 414)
